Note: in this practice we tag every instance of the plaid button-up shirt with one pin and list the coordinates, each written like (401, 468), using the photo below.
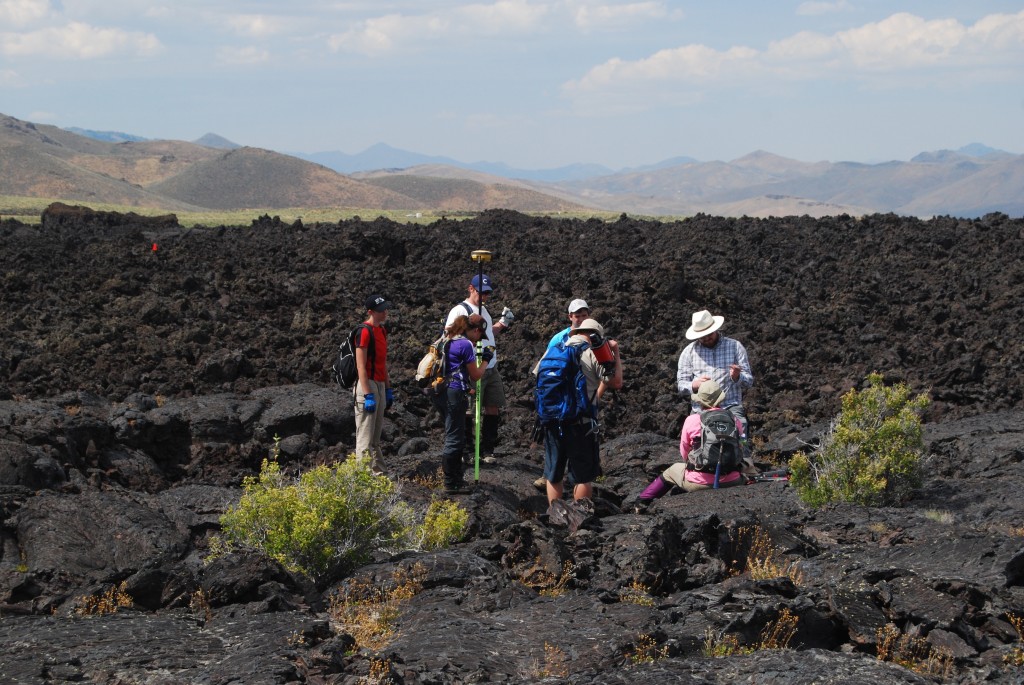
(697, 360)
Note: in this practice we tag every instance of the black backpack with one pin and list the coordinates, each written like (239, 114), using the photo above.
(345, 371)
(719, 443)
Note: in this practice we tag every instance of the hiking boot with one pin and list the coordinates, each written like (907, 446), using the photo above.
(642, 506)
(541, 483)
(460, 489)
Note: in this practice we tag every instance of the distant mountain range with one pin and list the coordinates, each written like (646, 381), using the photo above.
(213, 172)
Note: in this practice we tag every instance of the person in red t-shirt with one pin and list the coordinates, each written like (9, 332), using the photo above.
(373, 389)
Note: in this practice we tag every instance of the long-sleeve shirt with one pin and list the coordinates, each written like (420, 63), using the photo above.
(698, 360)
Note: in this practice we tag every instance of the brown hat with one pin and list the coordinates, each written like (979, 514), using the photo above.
(709, 394)
(477, 321)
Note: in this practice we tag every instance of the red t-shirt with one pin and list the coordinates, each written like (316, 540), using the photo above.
(379, 357)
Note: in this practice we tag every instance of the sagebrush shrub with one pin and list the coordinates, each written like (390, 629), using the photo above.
(328, 520)
(871, 454)
(443, 524)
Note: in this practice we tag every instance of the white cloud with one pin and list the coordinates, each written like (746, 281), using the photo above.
(9, 78)
(588, 16)
(78, 40)
(390, 32)
(255, 25)
(18, 13)
(813, 9)
(243, 55)
(900, 43)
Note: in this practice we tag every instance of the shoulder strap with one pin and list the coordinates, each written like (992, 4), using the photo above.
(469, 310)
(371, 347)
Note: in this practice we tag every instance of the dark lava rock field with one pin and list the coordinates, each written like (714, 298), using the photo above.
(145, 369)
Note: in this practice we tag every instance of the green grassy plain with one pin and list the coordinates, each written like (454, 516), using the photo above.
(29, 210)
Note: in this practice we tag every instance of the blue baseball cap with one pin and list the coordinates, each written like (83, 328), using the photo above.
(476, 284)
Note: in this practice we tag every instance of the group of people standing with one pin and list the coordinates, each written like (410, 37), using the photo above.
(713, 371)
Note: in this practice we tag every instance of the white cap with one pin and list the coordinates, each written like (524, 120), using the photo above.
(577, 305)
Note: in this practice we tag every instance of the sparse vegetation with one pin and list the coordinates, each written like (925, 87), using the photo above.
(646, 651)
(872, 453)
(110, 602)
(331, 518)
(199, 603)
(444, 524)
(28, 210)
(368, 613)
(912, 652)
(547, 584)
(776, 635)
(637, 593)
(938, 516)
(763, 560)
(1016, 655)
(554, 665)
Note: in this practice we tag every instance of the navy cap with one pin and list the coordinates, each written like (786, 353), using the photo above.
(377, 303)
(476, 284)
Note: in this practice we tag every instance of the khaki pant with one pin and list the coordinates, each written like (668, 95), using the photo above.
(369, 426)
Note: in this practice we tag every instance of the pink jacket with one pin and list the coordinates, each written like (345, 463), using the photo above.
(691, 431)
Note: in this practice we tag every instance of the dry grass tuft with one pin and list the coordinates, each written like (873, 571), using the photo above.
(913, 652)
(776, 635)
(637, 593)
(110, 602)
(369, 613)
(1016, 655)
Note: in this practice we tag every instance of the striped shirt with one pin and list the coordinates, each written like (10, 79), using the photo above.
(698, 360)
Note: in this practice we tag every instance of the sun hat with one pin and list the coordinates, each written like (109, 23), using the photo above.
(377, 303)
(476, 283)
(709, 394)
(588, 325)
(703, 324)
(577, 305)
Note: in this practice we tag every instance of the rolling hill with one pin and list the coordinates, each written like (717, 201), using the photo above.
(213, 173)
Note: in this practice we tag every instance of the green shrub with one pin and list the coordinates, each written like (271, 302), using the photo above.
(872, 453)
(329, 520)
(444, 523)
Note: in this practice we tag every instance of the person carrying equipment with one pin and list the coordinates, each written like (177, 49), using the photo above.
(461, 370)
(373, 387)
(492, 390)
(568, 377)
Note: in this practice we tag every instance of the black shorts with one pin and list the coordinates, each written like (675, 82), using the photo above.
(571, 448)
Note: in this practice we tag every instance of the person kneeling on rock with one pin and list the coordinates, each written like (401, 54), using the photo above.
(686, 473)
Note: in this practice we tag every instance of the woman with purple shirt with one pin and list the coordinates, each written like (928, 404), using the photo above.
(462, 370)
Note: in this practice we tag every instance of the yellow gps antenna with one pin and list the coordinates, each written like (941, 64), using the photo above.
(479, 256)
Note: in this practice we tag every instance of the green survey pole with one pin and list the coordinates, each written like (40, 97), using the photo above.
(479, 256)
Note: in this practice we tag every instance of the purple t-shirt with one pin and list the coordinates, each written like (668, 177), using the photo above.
(460, 352)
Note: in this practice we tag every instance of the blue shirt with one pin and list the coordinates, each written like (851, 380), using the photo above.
(561, 337)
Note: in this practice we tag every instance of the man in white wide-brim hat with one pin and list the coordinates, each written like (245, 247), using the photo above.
(713, 356)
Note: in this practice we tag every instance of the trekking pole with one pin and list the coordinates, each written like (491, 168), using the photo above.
(479, 256)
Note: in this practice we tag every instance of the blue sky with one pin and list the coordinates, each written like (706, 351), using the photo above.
(533, 83)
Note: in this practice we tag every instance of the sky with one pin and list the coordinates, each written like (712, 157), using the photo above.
(535, 84)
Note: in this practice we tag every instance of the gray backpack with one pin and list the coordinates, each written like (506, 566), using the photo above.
(719, 443)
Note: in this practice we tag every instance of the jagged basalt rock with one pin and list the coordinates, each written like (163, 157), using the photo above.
(139, 386)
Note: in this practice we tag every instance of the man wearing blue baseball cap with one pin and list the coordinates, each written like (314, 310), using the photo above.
(491, 388)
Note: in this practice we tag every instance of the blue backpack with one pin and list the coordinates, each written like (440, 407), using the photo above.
(561, 386)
